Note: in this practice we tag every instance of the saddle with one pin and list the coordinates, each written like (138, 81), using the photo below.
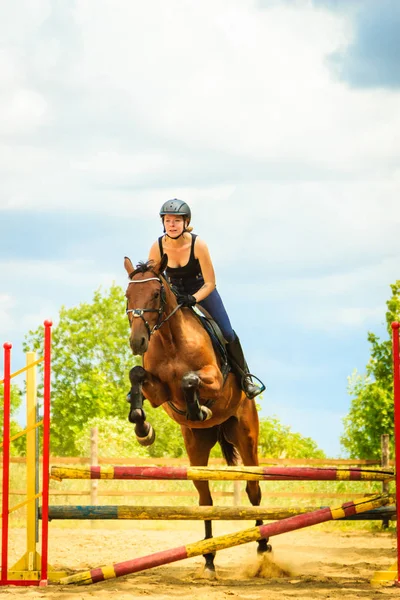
(217, 339)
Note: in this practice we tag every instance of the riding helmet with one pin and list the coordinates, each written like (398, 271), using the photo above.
(176, 207)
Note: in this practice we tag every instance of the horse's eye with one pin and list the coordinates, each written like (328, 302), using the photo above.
(156, 295)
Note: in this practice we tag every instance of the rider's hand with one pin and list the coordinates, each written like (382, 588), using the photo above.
(186, 299)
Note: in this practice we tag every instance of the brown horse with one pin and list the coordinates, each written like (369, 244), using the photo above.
(181, 372)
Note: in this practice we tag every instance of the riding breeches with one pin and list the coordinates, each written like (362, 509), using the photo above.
(213, 304)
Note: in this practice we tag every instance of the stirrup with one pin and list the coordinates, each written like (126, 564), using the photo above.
(250, 377)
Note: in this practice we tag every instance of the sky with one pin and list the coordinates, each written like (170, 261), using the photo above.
(278, 122)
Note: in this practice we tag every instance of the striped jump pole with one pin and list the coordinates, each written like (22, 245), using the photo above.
(225, 541)
(223, 473)
(198, 513)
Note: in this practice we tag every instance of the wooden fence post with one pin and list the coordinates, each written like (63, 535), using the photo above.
(385, 457)
(237, 493)
(94, 461)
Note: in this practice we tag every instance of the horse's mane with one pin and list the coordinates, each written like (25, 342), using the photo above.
(143, 267)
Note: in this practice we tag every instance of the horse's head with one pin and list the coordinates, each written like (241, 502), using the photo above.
(146, 300)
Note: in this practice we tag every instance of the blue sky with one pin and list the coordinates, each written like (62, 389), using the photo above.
(277, 121)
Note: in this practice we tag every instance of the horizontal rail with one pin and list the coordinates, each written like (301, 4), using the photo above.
(196, 513)
(168, 461)
(222, 473)
(194, 494)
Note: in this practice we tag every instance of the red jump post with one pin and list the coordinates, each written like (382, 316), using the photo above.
(396, 394)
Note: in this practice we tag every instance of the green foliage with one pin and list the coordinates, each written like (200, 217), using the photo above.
(117, 437)
(169, 440)
(278, 441)
(91, 359)
(17, 447)
(371, 412)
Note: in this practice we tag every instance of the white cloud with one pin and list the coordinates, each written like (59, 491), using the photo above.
(23, 110)
(77, 273)
(137, 107)
(255, 83)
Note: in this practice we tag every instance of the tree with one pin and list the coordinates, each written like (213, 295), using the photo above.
(371, 412)
(91, 360)
(18, 446)
(117, 438)
(278, 441)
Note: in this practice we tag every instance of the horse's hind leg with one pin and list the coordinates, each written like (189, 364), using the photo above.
(198, 443)
(144, 431)
(242, 432)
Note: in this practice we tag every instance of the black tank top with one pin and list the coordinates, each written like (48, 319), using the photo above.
(191, 270)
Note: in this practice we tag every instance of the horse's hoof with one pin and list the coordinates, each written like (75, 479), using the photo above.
(209, 574)
(148, 440)
(263, 547)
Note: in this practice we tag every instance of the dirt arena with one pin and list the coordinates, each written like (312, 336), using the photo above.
(307, 564)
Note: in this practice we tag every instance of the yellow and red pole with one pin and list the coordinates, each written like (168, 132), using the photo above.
(223, 473)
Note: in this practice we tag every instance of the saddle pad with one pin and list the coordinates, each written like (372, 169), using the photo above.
(217, 339)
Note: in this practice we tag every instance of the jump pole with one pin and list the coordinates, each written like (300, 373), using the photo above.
(197, 513)
(225, 541)
(222, 473)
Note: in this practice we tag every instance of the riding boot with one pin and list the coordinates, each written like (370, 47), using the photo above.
(240, 368)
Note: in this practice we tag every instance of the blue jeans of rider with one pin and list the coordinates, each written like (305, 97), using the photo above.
(213, 304)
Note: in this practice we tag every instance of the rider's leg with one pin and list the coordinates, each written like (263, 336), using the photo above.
(241, 369)
(214, 305)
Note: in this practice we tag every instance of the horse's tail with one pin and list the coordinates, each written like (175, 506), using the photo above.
(228, 450)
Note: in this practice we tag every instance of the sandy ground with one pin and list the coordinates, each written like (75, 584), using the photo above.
(305, 565)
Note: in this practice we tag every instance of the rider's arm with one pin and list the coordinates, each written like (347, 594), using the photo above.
(207, 269)
(154, 253)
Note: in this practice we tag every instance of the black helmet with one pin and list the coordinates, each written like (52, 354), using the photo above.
(176, 207)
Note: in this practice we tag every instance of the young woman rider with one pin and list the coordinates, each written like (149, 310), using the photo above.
(191, 271)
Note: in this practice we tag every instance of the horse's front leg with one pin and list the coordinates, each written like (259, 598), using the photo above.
(191, 383)
(145, 433)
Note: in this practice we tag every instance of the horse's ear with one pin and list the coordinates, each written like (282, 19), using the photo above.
(128, 265)
(163, 263)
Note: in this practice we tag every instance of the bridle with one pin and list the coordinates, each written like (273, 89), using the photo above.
(139, 312)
